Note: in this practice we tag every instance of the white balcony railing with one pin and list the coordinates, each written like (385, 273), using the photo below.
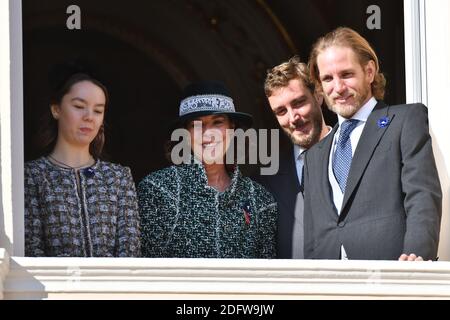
(132, 278)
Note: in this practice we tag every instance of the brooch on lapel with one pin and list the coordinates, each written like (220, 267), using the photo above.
(89, 172)
(383, 122)
(247, 213)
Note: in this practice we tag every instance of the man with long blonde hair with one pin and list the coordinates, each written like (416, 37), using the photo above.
(372, 189)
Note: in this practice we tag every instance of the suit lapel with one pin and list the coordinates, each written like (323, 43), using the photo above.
(326, 145)
(287, 187)
(370, 138)
(288, 177)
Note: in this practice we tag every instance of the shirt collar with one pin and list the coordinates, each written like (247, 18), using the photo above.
(196, 169)
(363, 113)
(298, 150)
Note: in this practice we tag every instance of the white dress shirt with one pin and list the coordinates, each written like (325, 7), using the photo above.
(355, 135)
(299, 157)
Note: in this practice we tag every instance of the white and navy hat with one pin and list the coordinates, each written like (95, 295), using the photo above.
(207, 98)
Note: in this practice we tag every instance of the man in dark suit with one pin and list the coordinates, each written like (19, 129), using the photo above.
(372, 190)
(297, 108)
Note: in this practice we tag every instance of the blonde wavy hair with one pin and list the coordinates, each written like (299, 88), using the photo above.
(279, 76)
(348, 38)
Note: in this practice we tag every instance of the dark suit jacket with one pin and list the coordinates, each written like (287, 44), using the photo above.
(393, 201)
(284, 186)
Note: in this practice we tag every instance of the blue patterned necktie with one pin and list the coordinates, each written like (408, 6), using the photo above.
(302, 183)
(343, 155)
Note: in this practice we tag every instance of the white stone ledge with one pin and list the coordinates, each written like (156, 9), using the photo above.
(103, 278)
(4, 267)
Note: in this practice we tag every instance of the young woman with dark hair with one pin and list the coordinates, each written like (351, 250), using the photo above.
(77, 205)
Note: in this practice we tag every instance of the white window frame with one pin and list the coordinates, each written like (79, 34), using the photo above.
(415, 51)
(11, 127)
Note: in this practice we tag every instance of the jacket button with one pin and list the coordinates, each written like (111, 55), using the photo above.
(341, 224)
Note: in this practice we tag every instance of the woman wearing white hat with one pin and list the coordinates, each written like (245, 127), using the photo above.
(206, 208)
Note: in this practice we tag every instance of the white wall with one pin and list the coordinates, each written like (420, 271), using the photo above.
(437, 48)
(146, 278)
(427, 59)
